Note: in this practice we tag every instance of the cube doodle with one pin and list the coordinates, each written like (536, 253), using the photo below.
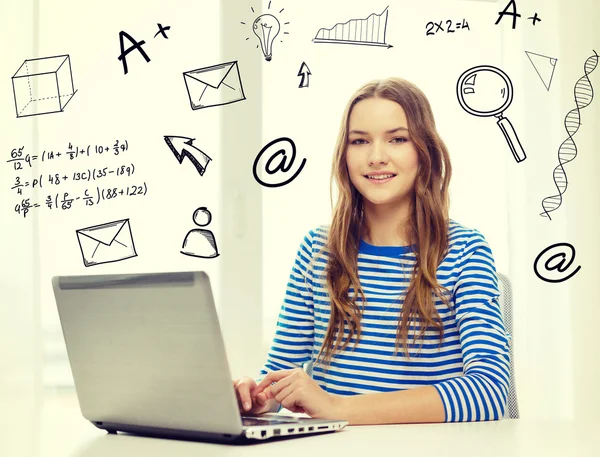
(43, 86)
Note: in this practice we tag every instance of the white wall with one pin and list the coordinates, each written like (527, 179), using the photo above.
(20, 343)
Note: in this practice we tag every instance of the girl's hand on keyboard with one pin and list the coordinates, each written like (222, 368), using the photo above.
(296, 391)
(247, 403)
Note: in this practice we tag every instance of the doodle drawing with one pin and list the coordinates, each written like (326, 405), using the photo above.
(552, 263)
(567, 151)
(200, 242)
(182, 147)
(213, 86)
(505, 12)
(366, 32)
(277, 162)
(304, 72)
(106, 243)
(266, 27)
(544, 66)
(43, 86)
(487, 91)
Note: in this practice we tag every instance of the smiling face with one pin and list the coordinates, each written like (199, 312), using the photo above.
(381, 158)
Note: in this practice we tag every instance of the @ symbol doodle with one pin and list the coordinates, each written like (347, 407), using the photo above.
(552, 263)
(277, 161)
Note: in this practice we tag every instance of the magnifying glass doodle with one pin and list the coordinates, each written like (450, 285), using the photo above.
(487, 91)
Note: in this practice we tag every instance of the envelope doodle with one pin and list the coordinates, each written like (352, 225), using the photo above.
(214, 86)
(105, 243)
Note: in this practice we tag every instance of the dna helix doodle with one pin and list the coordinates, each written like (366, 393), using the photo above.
(584, 94)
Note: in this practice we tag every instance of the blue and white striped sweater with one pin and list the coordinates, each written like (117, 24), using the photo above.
(470, 371)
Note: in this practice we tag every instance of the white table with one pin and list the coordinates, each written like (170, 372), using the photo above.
(63, 432)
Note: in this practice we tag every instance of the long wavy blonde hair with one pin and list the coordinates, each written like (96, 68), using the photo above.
(427, 229)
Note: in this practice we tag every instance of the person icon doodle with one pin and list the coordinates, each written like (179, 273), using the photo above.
(200, 242)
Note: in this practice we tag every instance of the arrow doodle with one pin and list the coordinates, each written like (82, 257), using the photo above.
(182, 147)
(304, 72)
(584, 94)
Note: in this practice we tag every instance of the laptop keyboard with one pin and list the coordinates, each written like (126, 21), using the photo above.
(249, 421)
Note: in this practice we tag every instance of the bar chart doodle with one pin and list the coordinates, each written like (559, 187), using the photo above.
(567, 151)
(366, 32)
(43, 86)
(487, 91)
(266, 27)
(544, 66)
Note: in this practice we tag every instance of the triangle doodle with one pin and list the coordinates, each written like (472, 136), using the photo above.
(544, 66)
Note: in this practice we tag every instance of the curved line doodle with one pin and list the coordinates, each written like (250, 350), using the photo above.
(277, 162)
(556, 257)
(567, 151)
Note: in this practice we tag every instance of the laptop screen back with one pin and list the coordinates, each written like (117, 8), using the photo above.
(147, 350)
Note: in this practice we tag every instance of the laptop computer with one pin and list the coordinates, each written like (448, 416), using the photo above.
(148, 357)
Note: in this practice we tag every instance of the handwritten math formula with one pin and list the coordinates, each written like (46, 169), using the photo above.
(83, 175)
(18, 157)
(111, 175)
(432, 28)
(91, 197)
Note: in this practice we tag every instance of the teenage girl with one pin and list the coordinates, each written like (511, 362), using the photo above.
(393, 306)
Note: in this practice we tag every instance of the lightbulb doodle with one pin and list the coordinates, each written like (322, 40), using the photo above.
(369, 31)
(277, 150)
(267, 28)
(551, 264)
(567, 151)
(486, 91)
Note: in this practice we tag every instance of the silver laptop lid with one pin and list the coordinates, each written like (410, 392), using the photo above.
(147, 349)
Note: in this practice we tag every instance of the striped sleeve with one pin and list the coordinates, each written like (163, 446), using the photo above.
(294, 335)
(481, 392)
